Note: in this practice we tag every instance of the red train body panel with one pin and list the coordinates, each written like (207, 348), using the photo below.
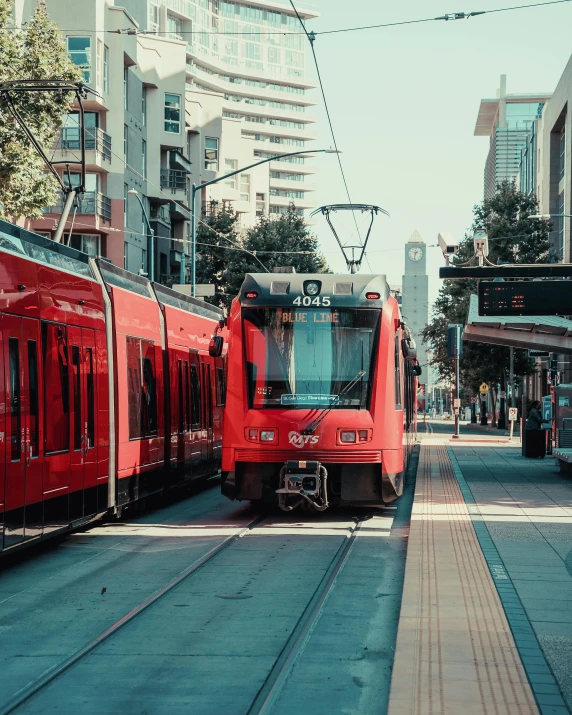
(322, 376)
(89, 390)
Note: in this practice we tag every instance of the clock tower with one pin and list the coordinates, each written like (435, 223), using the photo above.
(415, 307)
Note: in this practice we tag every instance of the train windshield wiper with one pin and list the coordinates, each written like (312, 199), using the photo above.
(311, 428)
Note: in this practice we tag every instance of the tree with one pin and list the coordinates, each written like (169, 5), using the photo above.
(217, 240)
(513, 238)
(36, 52)
(282, 241)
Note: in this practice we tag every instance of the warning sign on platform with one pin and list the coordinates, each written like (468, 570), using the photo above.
(512, 414)
(457, 402)
(484, 388)
(473, 400)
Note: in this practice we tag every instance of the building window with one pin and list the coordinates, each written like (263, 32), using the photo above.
(174, 27)
(79, 50)
(231, 165)
(86, 244)
(125, 251)
(125, 198)
(562, 152)
(125, 86)
(245, 187)
(211, 153)
(274, 55)
(173, 113)
(144, 106)
(260, 204)
(125, 143)
(105, 68)
(144, 158)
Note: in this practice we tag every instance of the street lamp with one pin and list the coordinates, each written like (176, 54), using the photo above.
(195, 189)
(150, 238)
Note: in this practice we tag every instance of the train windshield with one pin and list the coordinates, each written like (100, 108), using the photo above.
(309, 358)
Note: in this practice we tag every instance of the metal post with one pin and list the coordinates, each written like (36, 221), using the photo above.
(457, 402)
(65, 213)
(194, 192)
(511, 379)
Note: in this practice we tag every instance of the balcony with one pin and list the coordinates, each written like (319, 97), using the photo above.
(174, 179)
(95, 139)
(92, 202)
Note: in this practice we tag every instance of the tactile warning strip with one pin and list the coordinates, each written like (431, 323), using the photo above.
(540, 676)
(455, 653)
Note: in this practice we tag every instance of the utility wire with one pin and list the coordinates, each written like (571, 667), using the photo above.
(446, 17)
(311, 38)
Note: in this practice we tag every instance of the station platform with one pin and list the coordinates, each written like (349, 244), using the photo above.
(486, 615)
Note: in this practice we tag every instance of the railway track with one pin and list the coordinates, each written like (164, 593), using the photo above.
(294, 643)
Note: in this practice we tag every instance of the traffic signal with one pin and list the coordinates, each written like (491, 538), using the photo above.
(454, 342)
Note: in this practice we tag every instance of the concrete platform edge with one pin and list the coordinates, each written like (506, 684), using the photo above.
(521, 628)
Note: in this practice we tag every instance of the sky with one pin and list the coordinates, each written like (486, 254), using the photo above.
(404, 102)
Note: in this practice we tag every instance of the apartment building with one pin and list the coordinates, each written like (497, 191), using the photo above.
(184, 91)
(135, 139)
(249, 96)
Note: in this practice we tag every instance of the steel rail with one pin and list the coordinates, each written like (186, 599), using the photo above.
(50, 675)
(272, 687)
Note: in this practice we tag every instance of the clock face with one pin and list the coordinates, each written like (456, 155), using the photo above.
(415, 254)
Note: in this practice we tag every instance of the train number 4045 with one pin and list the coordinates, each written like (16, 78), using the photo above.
(306, 300)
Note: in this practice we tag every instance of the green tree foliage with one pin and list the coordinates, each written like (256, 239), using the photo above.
(513, 238)
(217, 240)
(226, 253)
(36, 52)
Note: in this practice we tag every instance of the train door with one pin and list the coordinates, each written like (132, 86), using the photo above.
(83, 453)
(23, 473)
(207, 442)
(196, 408)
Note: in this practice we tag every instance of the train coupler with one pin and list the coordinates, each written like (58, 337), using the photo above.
(303, 483)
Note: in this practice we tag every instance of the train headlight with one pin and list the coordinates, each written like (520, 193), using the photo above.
(347, 436)
(267, 435)
(312, 288)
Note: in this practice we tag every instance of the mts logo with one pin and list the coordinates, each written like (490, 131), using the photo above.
(302, 440)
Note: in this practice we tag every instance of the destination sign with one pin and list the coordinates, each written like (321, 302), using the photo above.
(525, 298)
(310, 317)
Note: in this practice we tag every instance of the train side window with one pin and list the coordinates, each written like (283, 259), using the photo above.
(56, 389)
(180, 397)
(195, 398)
(34, 397)
(187, 398)
(220, 387)
(134, 386)
(76, 382)
(15, 402)
(398, 400)
(209, 399)
(149, 396)
(90, 398)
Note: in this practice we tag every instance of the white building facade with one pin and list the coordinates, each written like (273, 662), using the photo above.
(187, 91)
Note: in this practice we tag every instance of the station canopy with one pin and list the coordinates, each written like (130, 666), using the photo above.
(549, 333)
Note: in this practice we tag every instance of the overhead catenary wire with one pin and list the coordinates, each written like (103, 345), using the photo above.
(311, 38)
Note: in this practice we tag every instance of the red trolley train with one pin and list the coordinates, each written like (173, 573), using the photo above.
(108, 390)
(321, 406)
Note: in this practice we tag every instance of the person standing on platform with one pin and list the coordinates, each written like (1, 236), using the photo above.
(535, 436)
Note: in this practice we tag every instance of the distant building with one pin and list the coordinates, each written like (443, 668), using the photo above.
(415, 300)
(507, 121)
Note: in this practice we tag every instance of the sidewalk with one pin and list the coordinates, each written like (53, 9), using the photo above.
(486, 616)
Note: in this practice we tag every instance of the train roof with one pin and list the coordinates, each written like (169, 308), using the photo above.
(27, 244)
(343, 290)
